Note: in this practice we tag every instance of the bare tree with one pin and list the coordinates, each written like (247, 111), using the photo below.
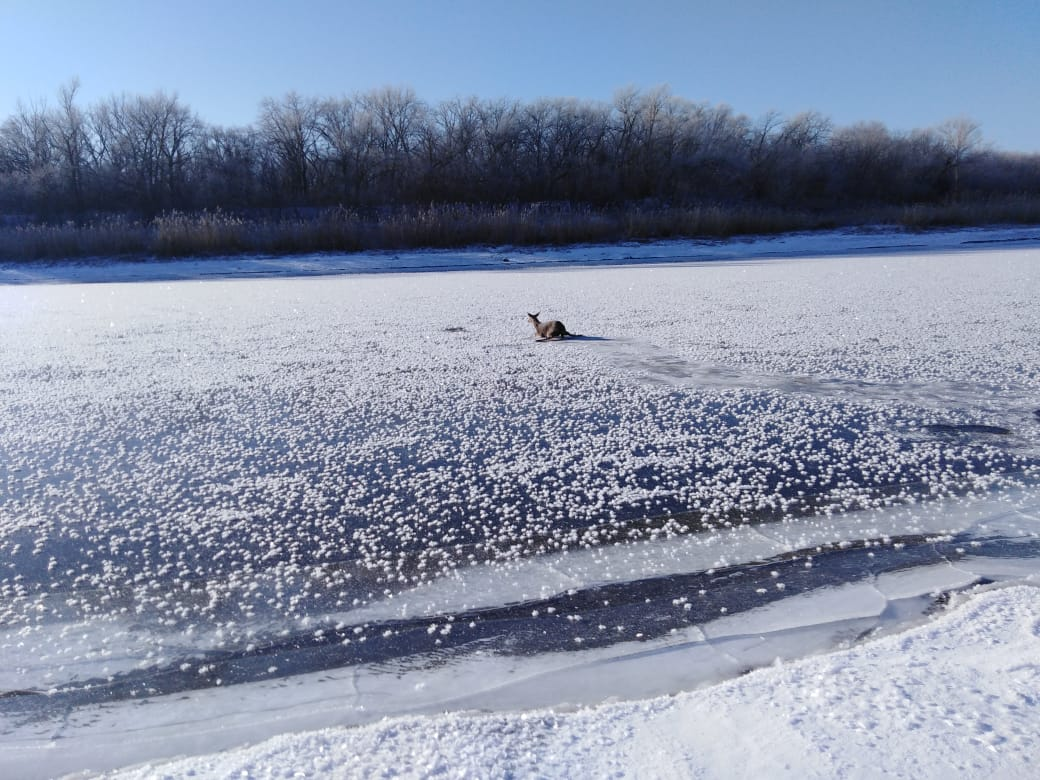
(454, 157)
(348, 134)
(73, 142)
(787, 160)
(289, 128)
(147, 145)
(398, 115)
(27, 158)
(960, 137)
(226, 167)
(501, 138)
(28, 139)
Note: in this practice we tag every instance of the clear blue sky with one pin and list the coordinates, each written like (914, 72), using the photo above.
(907, 63)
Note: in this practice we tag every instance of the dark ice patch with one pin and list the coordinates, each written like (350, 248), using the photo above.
(971, 428)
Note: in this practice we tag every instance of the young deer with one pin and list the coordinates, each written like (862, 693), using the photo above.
(551, 329)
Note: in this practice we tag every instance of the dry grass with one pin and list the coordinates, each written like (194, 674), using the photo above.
(115, 236)
(178, 234)
(1016, 211)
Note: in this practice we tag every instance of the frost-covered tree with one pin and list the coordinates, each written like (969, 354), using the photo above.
(144, 147)
(960, 137)
(398, 117)
(73, 142)
(348, 139)
(387, 147)
(226, 168)
(289, 130)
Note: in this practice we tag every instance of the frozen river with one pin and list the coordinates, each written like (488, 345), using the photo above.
(234, 507)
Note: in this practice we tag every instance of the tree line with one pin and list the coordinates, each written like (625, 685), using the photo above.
(146, 155)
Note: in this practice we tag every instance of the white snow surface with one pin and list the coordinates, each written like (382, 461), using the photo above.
(958, 697)
(201, 455)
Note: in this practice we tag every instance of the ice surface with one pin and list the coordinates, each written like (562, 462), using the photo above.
(239, 507)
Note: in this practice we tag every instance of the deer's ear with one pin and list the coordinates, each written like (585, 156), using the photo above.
(536, 314)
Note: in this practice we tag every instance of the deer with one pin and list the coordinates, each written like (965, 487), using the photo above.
(548, 330)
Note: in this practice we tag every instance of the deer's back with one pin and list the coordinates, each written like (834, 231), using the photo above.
(552, 329)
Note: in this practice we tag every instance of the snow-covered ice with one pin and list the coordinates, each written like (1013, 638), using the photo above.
(954, 698)
(236, 508)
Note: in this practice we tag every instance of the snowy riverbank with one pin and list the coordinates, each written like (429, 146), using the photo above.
(956, 697)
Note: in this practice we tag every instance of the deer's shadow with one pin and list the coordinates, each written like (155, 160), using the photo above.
(575, 338)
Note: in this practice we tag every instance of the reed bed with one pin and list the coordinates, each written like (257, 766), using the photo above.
(217, 233)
